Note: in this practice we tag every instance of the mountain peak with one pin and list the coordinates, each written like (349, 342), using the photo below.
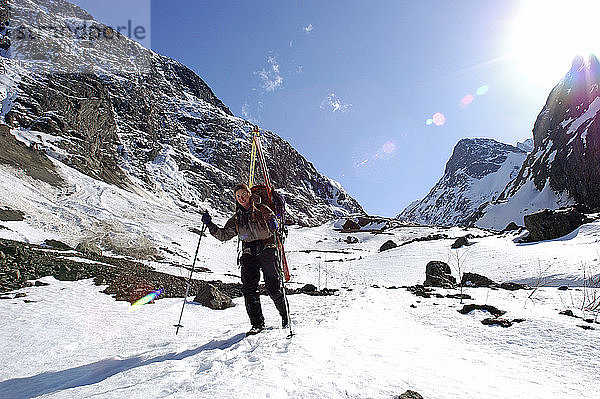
(477, 171)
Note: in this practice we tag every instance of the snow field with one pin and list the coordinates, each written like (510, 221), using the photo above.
(364, 343)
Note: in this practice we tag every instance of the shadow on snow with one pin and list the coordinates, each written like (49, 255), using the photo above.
(54, 381)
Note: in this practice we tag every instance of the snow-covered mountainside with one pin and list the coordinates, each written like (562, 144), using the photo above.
(477, 172)
(98, 102)
(564, 166)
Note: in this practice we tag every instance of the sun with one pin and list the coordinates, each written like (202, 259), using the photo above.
(548, 34)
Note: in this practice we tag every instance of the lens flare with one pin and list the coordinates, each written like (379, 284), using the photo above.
(389, 147)
(466, 100)
(429, 122)
(482, 90)
(439, 119)
(148, 298)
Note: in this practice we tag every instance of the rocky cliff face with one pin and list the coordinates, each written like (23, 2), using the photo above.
(564, 165)
(477, 171)
(118, 112)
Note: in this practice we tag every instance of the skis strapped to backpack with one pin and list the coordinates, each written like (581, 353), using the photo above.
(269, 197)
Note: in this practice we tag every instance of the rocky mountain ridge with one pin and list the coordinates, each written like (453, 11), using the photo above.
(125, 115)
(564, 165)
(477, 171)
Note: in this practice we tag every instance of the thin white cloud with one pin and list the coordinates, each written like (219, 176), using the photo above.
(333, 103)
(249, 114)
(270, 76)
(308, 29)
(299, 69)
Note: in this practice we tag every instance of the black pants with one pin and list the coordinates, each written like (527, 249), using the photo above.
(252, 263)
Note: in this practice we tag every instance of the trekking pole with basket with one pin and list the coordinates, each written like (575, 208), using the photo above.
(187, 289)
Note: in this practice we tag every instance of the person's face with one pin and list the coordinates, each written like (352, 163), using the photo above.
(243, 198)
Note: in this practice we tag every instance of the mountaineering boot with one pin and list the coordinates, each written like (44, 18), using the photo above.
(255, 330)
(284, 321)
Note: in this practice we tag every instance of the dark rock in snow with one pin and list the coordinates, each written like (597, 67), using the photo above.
(568, 312)
(563, 288)
(389, 244)
(315, 292)
(57, 245)
(512, 226)
(211, 297)
(409, 395)
(438, 274)
(460, 242)
(10, 215)
(510, 286)
(496, 322)
(308, 288)
(550, 224)
(586, 327)
(40, 284)
(459, 296)
(476, 280)
(351, 240)
(420, 291)
(431, 237)
(350, 224)
(488, 308)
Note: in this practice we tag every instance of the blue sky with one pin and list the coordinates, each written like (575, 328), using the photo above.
(352, 84)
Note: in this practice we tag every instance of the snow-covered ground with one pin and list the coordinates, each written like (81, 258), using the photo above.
(71, 341)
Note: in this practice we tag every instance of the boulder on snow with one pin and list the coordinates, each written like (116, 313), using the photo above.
(308, 288)
(389, 244)
(438, 274)
(409, 395)
(350, 224)
(211, 297)
(550, 224)
(351, 240)
(510, 286)
(488, 308)
(496, 322)
(460, 242)
(476, 280)
(512, 226)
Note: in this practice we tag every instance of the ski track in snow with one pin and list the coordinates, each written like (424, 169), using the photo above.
(365, 342)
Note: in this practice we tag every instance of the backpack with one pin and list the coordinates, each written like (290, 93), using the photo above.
(276, 204)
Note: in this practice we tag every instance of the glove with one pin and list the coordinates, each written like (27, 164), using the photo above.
(206, 219)
(272, 223)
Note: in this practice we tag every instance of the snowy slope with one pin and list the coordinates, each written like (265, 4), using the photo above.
(477, 172)
(365, 342)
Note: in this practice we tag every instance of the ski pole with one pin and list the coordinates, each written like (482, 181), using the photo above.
(187, 289)
(281, 276)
